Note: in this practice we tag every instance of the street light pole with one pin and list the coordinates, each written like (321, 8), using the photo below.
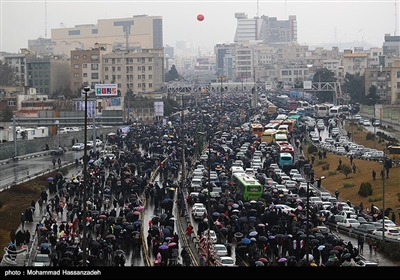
(208, 198)
(383, 195)
(308, 225)
(85, 182)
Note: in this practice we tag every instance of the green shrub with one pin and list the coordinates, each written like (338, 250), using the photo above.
(346, 169)
(365, 189)
(23, 189)
(349, 184)
(332, 172)
(369, 136)
(312, 149)
(321, 161)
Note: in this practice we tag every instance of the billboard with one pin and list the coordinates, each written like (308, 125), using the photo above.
(79, 105)
(104, 90)
(307, 85)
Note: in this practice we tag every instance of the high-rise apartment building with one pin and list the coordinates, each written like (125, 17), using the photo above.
(139, 31)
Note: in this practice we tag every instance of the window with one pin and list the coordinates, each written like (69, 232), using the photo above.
(139, 85)
(84, 56)
(106, 77)
(150, 59)
(75, 57)
(150, 68)
(84, 65)
(94, 57)
(106, 60)
(118, 77)
(119, 68)
(150, 85)
(76, 75)
(106, 69)
(11, 103)
(46, 82)
(94, 66)
(398, 74)
(74, 32)
(139, 68)
(139, 77)
(95, 76)
(150, 77)
(95, 31)
(84, 75)
(76, 66)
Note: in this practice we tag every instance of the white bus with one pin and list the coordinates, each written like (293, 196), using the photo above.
(321, 110)
(334, 111)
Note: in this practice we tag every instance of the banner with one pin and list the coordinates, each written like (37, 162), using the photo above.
(106, 90)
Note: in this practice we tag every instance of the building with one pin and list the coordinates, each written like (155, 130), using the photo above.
(138, 31)
(354, 62)
(18, 62)
(386, 80)
(391, 46)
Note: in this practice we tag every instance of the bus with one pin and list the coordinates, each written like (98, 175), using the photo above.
(280, 135)
(249, 186)
(285, 159)
(257, 128)
(302, 104)
(394, 152)
(271, 109)
(321, 110)
(334, 111)
(296, 119)
(268, 136)
(309, 111)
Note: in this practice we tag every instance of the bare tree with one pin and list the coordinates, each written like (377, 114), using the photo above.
(8, 75)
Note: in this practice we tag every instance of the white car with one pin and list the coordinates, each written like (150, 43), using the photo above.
(349, 223)
(221, 250)
(325, 196)
(390, 232)
(284, 208)
(212, 234)
(227, 261)
(199, 212)
(78, 147)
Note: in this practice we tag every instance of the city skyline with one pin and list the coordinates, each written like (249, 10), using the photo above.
(319, 23)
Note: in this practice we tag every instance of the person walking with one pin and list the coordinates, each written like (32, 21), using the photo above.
(360, 243)
(23, 219)
(370, 242)
(54, 162)
(373, 174)
(337, 194)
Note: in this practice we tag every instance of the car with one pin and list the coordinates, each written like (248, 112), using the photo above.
(323, 229)
(220, 250)
(89, 144)
(390, 232)
(388, 223)
(227, 261)
(197, 204)
(290, 184)
(340, 150)
(99, 143)
(57, 151)
(282, 189)
(293, 171)
(335, 132)
(199, 212)
(366, 263)
(366, 123)
(211, 233)
(362, 220)
(297, 177)
(78, 147)
(41, 260)
(325, 196)
(376, 123)
(366, 228)
(110, 156)
(284, 208)
(349, 223)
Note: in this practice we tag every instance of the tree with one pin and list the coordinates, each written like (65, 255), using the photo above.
(372, 97)
(6, 115)
(346, 170)
(354, 86)
(8, 75)
(172, 74)
(324, 75)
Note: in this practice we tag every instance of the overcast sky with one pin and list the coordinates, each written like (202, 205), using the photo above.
(318, 22)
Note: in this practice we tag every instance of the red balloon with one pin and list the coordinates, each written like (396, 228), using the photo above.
(200, 17)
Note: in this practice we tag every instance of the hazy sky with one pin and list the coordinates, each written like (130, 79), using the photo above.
(318, 22)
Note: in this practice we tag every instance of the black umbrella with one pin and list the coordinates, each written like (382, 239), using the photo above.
(262, 238)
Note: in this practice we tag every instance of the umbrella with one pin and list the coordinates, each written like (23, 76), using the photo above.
(172, 244)
(246, 240)
(338, 248)
(346, 256)
(50, 178)
(253, 233)
(110, 236)
(262, 238)
(163, 247)
(259, 263)
(102, 216)
(321, 247)
(282, 260)
(235, 205)
(264, 260)
(333, 252)
(45, 245)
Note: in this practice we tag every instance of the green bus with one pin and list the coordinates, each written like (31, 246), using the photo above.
(296, 119)
(249, 186)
